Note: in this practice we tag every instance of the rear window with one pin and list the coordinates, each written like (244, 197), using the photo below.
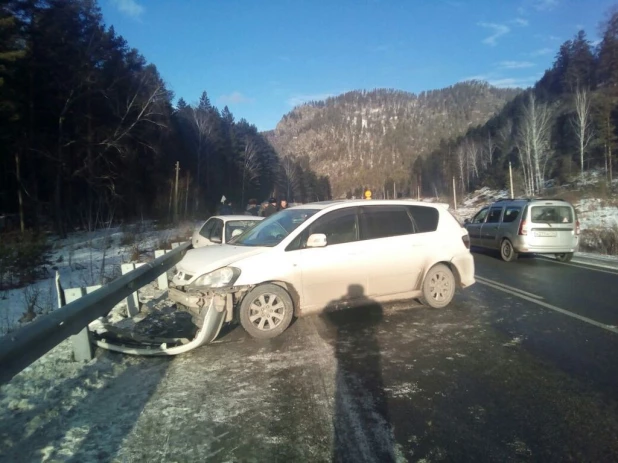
(425, 218)
(551, 214)
(241, 225)
(384, 221)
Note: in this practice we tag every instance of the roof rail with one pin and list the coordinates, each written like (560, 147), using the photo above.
(512, 199)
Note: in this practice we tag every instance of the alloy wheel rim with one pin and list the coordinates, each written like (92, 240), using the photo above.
(266, 312)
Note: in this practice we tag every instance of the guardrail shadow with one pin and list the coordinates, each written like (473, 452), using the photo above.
(57, 426)
(362, 429)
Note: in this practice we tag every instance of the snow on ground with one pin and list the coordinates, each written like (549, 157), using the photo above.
(85, 259)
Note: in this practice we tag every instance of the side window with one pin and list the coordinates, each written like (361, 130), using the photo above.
(511, 214)
(425, 218)
(384, 221)
(216, 235)
(494, 215)
(338, 226)
(207, 228)
(480, 217)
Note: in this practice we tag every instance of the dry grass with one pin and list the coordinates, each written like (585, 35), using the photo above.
(604, 241)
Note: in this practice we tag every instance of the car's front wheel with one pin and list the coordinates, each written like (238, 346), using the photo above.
(564, 257)
(438, 287)
(266, 311)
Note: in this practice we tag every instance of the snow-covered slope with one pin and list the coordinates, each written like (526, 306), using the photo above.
(86, 259)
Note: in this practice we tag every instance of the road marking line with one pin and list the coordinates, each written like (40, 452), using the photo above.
(592, 267)
(511, 288)
(590, 321)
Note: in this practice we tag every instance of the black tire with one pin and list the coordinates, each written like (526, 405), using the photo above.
(278, 307)
(564, 257)
(438, 287)
(507, 252)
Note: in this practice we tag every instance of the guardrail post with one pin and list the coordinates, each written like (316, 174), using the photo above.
(162, 279)
(132, 300)
(82, 348)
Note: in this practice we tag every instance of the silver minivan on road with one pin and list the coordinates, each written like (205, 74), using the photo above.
(514, 226)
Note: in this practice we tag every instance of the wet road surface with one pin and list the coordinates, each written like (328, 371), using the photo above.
(523, 366)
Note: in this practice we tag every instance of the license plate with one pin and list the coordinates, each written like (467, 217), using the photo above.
(545, 233)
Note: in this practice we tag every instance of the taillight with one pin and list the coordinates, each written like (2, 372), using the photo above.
(466, 241)
(577, 229)
(523, 228)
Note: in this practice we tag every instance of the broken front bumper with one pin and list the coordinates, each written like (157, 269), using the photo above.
(211, 317)
(197, 302)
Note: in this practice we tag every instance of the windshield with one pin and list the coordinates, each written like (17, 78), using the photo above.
(274, 229)
(552, 214)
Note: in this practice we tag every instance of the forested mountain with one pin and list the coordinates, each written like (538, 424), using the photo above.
(88, 132)
(371, 138)
(567, 123)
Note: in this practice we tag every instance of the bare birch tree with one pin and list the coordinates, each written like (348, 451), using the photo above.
(472, 159)
(533, 143)
(582, 123)
(250, 166)
(289, 176)
(202, 125)
(488, 152)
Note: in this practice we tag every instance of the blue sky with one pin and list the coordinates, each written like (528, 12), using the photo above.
(263, 57)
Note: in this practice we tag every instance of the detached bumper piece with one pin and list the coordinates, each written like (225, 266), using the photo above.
(209, 318)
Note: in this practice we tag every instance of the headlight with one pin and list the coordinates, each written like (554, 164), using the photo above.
(225, 276)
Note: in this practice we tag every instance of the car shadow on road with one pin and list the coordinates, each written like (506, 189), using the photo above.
(362, 429)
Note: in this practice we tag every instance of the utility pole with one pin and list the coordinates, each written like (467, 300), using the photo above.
(394, 191)
(187, 195)
(511, 178)
(169, 209)
(176, 192)
(454, 194)
(418, 192)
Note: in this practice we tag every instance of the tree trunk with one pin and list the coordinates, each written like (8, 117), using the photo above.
(58, 203)
(19, 192)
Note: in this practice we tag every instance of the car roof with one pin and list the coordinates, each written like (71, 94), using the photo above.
(532, 201)
(227, 218)
(335, 204)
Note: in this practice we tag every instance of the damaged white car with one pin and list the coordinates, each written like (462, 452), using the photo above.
(325, 256)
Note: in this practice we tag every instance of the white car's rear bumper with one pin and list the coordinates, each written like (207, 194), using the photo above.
(464, 263)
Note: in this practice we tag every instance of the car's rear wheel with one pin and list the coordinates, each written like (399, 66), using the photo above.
(507, 252)
(266, 311)
(564, 256)
(438, 287)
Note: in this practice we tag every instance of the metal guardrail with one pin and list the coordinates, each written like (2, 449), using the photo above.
(22, 347)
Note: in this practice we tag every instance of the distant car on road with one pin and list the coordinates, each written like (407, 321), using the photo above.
(220, 229)
(327, 255)
(514, 226)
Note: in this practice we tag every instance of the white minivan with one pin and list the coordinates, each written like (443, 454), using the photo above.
(326, 256)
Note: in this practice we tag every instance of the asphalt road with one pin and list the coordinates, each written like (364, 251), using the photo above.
(523, 366)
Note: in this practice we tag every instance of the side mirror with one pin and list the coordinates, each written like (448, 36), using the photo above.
(236, 232)
(317, 240)
(215, 239)
(467, 221)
